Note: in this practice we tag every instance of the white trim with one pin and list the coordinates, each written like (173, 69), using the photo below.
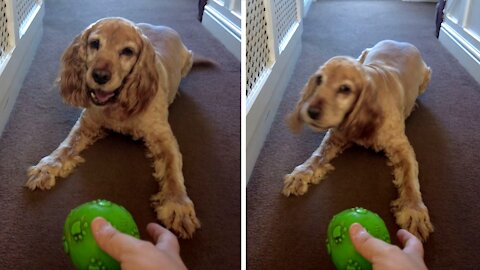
(306, 7)
(23, 28)
(263, 105)
(288, 37)
(225, 28)
(18, 64)
(430, 1)
(466, 53)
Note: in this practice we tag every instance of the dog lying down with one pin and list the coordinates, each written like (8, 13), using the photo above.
(124, 76)
(366, 101)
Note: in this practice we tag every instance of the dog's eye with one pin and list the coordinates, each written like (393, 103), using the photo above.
(95, 44)
(344, 89)
(318, 80)
(126, 51)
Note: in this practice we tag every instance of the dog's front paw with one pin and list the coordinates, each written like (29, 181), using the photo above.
(177, 214)
(42, 175)
(297, 182)
(414, 218)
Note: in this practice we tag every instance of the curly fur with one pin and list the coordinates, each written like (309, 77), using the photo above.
(143, 78)
(366, 101)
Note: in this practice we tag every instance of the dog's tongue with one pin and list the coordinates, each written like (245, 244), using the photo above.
(103, 96)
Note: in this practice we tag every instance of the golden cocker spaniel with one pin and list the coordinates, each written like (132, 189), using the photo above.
(125, 76)
(366, 101)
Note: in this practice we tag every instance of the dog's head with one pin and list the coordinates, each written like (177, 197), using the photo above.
(111, 63)
(339, 94)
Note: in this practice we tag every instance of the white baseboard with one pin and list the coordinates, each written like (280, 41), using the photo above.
(224, 29)
(17, 66)
(306, 7)
(262, 105)
(466, 53)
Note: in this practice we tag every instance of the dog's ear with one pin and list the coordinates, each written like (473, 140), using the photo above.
(294, 119)
(141, 84)
(72, 71)
(366, 116)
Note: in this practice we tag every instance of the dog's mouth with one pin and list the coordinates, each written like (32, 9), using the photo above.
(101, 98)
(318, 128)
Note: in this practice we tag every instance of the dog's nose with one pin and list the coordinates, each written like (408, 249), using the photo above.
(101, 76)
(313, 112)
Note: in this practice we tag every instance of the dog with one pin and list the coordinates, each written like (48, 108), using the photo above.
(365, 101)
(125, 76)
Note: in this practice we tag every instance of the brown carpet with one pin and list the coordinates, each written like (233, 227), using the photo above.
(290, 233)
(205, 119)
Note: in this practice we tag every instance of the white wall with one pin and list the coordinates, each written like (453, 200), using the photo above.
(24, 28)
(460, 33)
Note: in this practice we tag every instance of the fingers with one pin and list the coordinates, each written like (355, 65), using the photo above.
(367, 245)
(113, 242)
(411, 244)
(163, 238)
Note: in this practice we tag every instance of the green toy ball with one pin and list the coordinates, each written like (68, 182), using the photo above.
(78, 240)
(339, 245)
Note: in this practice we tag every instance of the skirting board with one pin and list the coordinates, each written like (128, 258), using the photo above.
(223, 30)
(306, 7)
(11, 79)
(465, 52)
(262, 110)
(429, 1)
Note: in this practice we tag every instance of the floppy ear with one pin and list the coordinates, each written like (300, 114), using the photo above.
(294, 119)
(73, 69)
(141, 85)
(366, 116)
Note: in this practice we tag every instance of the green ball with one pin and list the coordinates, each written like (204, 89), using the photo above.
(339, 245)
(78, 240)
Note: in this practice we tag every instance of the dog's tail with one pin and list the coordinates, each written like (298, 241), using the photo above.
(364, 54)
(195, 61)
(202, 61)
(426, 79)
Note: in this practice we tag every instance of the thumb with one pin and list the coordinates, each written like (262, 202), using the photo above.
(367, 245)
(113, 242)
(411, 244)
(163, 238)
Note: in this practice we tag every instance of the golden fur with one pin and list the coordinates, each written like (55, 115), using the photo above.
(366, 101)
(125, 84)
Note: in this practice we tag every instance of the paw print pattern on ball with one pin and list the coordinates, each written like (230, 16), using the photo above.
(96, 264)
(339, 245)
(66, 248)
(79, 230)
(339, 233)
(353, 265)
(103, 203)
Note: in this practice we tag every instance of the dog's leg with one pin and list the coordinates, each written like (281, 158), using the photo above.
(410, 211)
(316, 167)
(64, 159)
(173, 207)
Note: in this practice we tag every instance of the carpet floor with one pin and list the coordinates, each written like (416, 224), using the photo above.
(290, 233)
(205, 118)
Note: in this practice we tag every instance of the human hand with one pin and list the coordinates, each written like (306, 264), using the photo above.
(133, 253)
(385, 256)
